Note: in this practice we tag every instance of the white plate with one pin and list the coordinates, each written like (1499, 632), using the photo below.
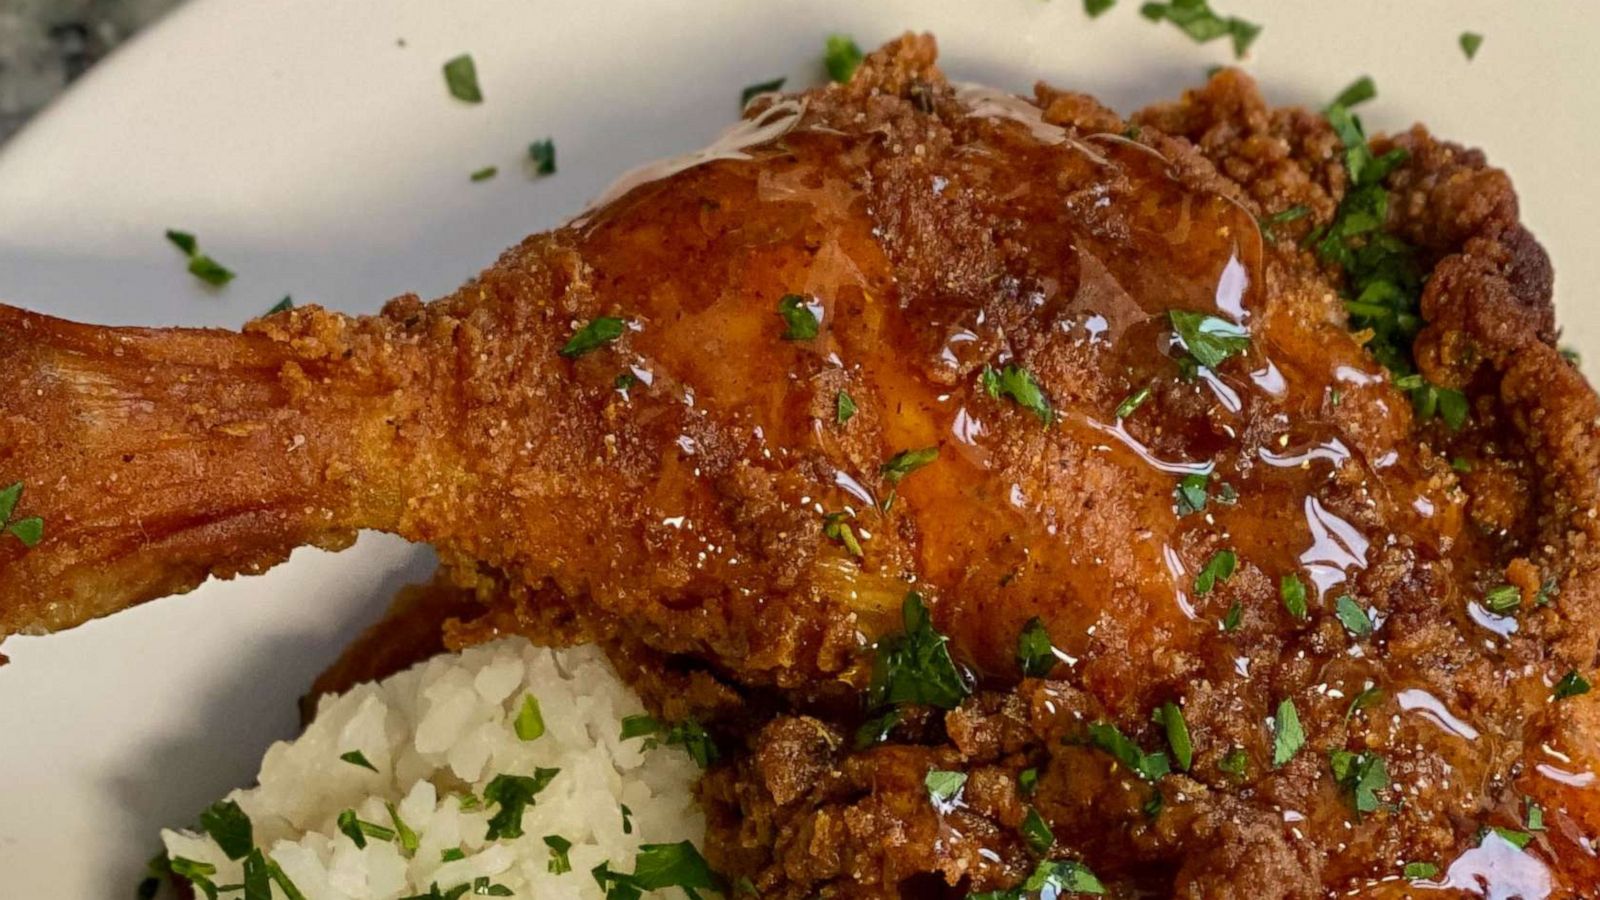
(318, 155)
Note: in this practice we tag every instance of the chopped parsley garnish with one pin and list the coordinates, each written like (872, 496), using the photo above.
(625, 382)
(1571, 685)
(842, 57)
(358, 830)
(1096, 7)
(483, 887)
(1470, 42)
(844, 408)
(1218, 568)
(209, 270)
(1233, 617)
(560, 863)
(1132, 402)
(1191, 493)
(1036, 655)
(403, 833)
(800, 321)
(593, 336)
(542, 156)
(197, 874)
(1293, 593)
(1358, 92)
(1533, 820)
(1502, 599)
(915, 666)
(1419, 871)
(835, 527)
(1028, 782)
(905, 462)
(1550, 588)
(1036, 831)
(184, 241)
(1267, 223)
(530, 719)
(452, 854)
(1234, 762)
(688, 734)
(276, 873)
(1517, 839)
(1170, 716)
(461, 77)
(1018, 384)
(514, 794)
(627, 818)
(876, 729)
(761, 87)
(943, 786)
(1196, 19)
(257, 883)
(357, 758)
(30, 530)
(1209, 339)
(201, 266)
(656, 868)
(229, 827)
(1361, 776)
(1367, 699)
(485, 173)
(1149, 766)
(1354, 619)
(284, 305)
(1383, 279)
(1054, 877)
(1287, 735)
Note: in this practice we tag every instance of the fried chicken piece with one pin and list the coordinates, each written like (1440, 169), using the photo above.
(999, 282)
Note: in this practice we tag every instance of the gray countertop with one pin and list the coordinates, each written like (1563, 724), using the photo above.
(45, 44)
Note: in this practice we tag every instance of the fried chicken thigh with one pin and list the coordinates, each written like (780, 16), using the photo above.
(899, 335)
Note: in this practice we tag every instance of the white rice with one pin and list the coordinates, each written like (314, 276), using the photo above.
(438, 731)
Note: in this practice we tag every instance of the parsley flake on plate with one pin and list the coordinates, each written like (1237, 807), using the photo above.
(1036, 831)
(559, 863)
(1287, 735)
(1361, 776)
(844, 408)
(1218, 568)
(1502, 599)
(514, 794)
(1355, 93)
(284, 305)
(484, 174)
(1097, 8)
(1209, 339)
(1354, 619)
(1170, 717)
(1470, 42)
(1293, 592)
(529, 723)
(1196, 19)
(842, 57)
(1020, 386)
(905, 462)
(542, 156)
(1148, 766)
(593, 336)
(802, 321)
(836, 528)
(1036, 655)
(1132, 402)
(358, 830)
(943, 786)
(915, 666)
(201, 266)
(461, 78)
(1571, 685)
(229, 827)
(753, 91)
(357, 758)
(29, 530)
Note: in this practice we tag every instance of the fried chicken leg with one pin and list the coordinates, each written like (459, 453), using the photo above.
(1029, 360)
